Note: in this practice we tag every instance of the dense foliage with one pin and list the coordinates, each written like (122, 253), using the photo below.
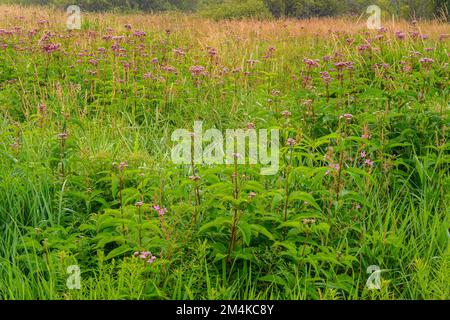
(86, 176)
(259, 8)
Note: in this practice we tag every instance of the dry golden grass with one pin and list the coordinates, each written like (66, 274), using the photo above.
(206, 30)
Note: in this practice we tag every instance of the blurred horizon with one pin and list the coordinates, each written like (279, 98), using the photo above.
(230, 9)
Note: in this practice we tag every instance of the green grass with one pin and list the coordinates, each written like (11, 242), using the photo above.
(60, 202)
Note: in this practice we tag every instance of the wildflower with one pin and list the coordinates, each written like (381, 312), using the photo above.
(128, 26)
(275, 93)
(443, 36)
(363, 154)
(169, 69)
(325, 77)
(147, 75)
(252, 62)
(194, 178)
(286, 114)
(290, 142)
(151, 260)
(123, 165)
(400, 35)
(236, 155)
(144, 254)
(269, 53)
(139, 33)
(139, 204)
(307, 102)
(93, 62)
(363, 47)
(161, 211)
(414, 35)
(51, 47)
(407, 69)
(212, 51)
(311, 63)
(251, 195)
(369, 162)
(346, 116)
(196, 70)
(250, 125)
(63, 135)
(42, 108)
(307, 221)
(179, 52)
(336, 166)
(426, 62)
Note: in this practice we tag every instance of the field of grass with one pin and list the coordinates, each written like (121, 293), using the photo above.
(85, 158)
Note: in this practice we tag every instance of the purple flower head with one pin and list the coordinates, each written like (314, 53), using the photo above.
(139, 204)
(369, 162)
(325, 77)
(139, 33)
(144, 254)
(252, 62)
(400, 35)
(179, 52)
(194, 178)
(286, 113)
(336, 166)
(196, 70)
(51, 47)
(290, 142)
(251, 195)
(212, 52)
(426, 62)
(346, 116)
(161, 211)
(311, 63)
(123, 165)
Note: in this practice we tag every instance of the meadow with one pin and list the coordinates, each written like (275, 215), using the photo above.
(87, 179)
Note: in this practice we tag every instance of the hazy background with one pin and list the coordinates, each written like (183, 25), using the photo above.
(410, 9)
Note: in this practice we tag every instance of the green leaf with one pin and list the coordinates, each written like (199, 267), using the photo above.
(260, 229)
(246, 232)
(303, 196)
(119, 251)
(273, 278)
(217, 223)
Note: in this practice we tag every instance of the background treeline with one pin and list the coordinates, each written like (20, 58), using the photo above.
(263, 8)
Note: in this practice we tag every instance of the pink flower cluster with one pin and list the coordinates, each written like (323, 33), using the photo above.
(197, 71)
(51, 47)
(145, 255)
(161, 211)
